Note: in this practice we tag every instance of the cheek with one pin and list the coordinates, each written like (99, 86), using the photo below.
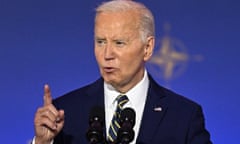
(133, 60)
(137, 56)
(97, 55)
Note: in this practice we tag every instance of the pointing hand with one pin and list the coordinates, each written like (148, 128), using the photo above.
(48, 120)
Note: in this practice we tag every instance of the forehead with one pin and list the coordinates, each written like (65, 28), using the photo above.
(117, 22)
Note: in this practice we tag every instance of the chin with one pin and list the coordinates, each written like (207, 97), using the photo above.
(110, 80)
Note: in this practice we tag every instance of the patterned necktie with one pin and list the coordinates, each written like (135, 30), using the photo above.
(114, 126)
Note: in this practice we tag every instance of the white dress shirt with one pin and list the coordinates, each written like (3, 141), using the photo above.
(137, 98)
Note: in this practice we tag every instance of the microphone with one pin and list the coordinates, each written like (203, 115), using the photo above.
(127, 122)
(95, 131)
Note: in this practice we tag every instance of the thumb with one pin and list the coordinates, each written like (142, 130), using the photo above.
(60, 120)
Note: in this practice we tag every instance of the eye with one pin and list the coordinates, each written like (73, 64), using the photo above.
(120, 43)
(100, 42)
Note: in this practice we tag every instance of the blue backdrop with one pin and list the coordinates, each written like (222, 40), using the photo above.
(51, 41)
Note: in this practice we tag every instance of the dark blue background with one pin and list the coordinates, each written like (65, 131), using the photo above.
(51, 41)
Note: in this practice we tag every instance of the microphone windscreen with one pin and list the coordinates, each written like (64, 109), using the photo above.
(97, 114)
(94, 133)
(128, 114)
(127, 122)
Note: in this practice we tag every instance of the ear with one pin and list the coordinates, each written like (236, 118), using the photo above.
(149, 47)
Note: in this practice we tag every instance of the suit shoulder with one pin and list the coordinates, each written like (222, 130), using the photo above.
(173, 99)
(178, 99)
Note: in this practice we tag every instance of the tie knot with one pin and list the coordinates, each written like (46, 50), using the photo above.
(121, 100)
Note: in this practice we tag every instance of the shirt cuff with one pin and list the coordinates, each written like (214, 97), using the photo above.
(33, 141)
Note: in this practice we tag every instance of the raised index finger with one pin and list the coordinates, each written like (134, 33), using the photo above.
(47, 95)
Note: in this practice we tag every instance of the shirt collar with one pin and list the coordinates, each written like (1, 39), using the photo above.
(136, 95)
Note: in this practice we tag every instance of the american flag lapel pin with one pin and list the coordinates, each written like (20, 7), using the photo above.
(157, 109)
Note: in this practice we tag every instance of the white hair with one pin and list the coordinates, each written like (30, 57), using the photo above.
(146, 21)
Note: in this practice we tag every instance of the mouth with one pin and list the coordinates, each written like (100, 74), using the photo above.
(109, 69)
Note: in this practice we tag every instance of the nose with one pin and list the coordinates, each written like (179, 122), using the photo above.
(109, 52)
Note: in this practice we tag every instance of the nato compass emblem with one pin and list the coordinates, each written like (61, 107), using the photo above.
(170, 58)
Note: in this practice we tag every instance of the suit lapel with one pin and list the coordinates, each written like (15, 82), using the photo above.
(96, 93)
(96, 96)
(154, 111)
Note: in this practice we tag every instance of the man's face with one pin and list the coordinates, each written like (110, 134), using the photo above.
(119, 51)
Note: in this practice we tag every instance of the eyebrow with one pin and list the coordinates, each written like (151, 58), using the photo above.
(99, 38)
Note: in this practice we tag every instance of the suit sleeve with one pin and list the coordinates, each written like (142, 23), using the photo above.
(197, 131)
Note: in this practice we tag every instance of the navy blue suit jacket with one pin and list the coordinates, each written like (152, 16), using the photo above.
(180, 121)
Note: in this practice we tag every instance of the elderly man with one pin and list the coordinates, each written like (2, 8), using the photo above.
(124, 42)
